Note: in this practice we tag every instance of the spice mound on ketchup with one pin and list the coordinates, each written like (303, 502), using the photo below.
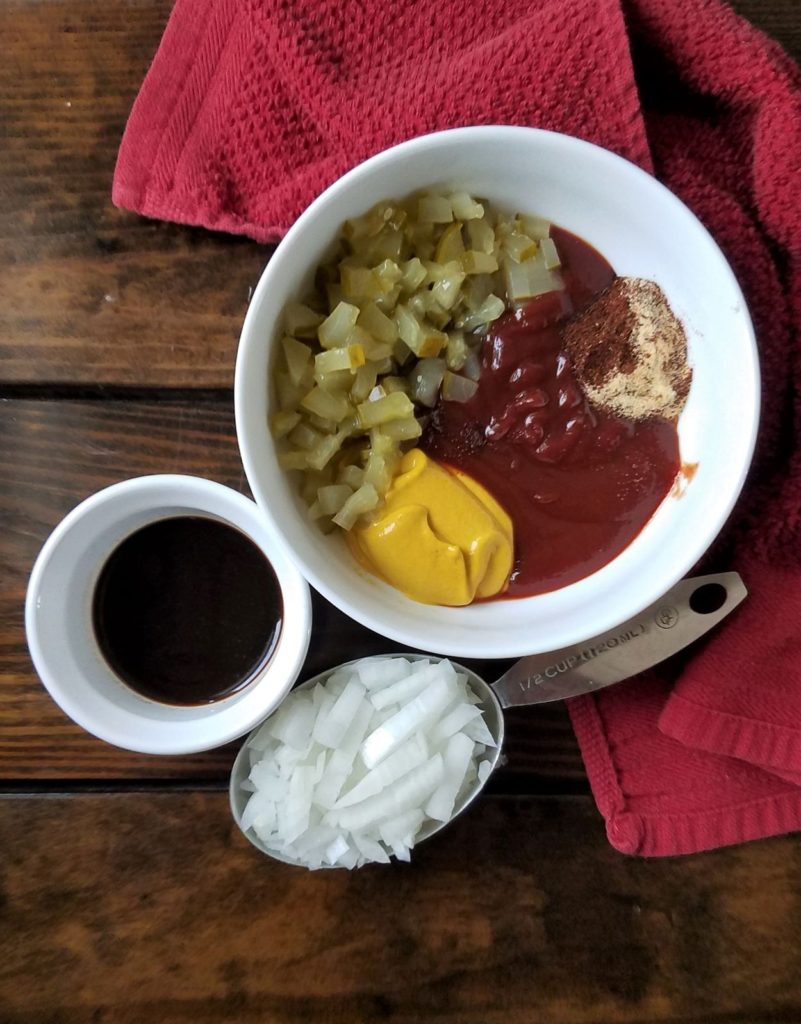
(579, 479)
(629, 352)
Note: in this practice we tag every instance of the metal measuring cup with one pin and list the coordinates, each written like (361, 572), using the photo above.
(685, 613)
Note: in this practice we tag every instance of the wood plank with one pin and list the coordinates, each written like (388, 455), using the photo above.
(55, 453)
(153, 907)
(779, 18)
(88, 293)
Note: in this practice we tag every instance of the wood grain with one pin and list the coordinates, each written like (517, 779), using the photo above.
(153, 907)
(55, 453)
(90, 294)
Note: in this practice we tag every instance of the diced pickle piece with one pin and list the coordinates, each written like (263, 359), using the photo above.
(361, 501)
(283, 422)
(326, 404)
(446, 291)
(403, 430)
(297, 357)
(458, 389)
(325, 450)
(520, 247)
(304, 436)
(450, 246)
(349, 357)
(456, 352)
(360, 284)
(293, 460)
(434, 210)
(414, 273)
(377, 324)
(465, 207)
(396, 406)
(480, 235)
(301, 321)
(425, 380)
(332, 498)
(534, 227)
(352, 476)
(363, 382)
(549, 253)
(474, 262)
(334, 330)
(391, 384)
(527, 280)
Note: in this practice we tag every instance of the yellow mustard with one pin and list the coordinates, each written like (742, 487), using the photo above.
(439, 537)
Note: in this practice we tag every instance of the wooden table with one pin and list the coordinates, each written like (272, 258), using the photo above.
(126, 894)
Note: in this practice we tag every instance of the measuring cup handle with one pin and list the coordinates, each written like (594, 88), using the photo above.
(684, 614)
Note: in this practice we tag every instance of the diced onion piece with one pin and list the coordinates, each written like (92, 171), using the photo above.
(414, 715)
(376, 673)
(408, 756)
(360, 284)
(330, 730)
(458, 389)
(361, 501)
(457, 757)
(408, 792)
(334, 330)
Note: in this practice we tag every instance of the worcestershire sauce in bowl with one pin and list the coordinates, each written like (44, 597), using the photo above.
(187, 610)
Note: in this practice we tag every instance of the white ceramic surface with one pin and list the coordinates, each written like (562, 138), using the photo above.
(643, 230)
(62, 642)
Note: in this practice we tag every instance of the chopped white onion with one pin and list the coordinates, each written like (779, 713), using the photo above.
(349, 773)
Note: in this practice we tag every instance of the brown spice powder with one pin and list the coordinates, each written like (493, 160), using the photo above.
(629, 352)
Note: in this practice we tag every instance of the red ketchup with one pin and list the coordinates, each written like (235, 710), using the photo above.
(578, 484)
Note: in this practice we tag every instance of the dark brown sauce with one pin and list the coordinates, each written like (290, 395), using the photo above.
(187, 610)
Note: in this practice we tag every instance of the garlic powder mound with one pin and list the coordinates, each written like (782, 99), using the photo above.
(629, 352)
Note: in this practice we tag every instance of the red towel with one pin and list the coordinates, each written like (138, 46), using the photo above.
(251, 108)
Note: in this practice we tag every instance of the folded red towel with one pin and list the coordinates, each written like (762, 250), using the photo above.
(251, 108)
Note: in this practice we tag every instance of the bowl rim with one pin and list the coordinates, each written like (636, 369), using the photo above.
(649, 590)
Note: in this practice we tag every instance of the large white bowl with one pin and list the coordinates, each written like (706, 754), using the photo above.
(643, 230)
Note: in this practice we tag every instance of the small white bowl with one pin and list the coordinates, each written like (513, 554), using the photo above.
(58, 619)
(644, 231)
